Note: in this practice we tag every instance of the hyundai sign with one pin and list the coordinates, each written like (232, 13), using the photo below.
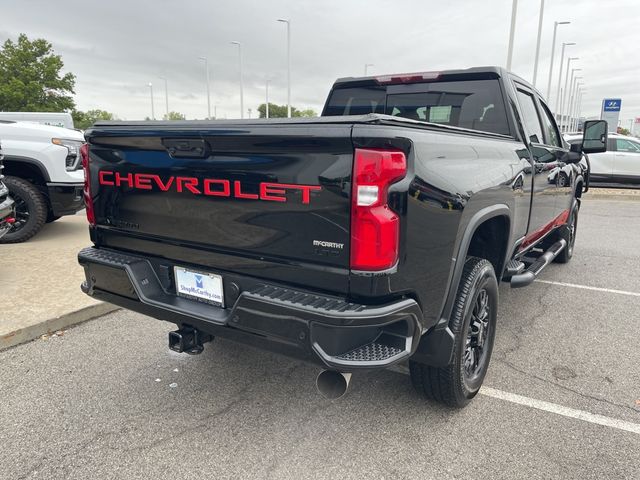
(611, 112)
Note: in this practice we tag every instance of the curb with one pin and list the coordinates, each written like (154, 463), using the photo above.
(32, 332)
(609, 196)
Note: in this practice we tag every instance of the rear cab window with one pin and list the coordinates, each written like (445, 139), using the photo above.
(474, 104)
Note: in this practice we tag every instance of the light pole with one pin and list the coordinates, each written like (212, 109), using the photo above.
(241, 89)
(535, 63)
(366, 68)
(267, 100)
(553, 51)
(288, 22)
(153, 115)
(512, 31)
(206, 72)
(166, 95)
(560, 75)
(574, 105)
(579, 108)
(565, 97)
(574, 88)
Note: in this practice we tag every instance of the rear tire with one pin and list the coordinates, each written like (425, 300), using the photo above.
(30, 210)
(473, 325)
(568, 232)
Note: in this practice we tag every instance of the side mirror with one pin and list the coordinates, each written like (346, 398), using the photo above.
(594, 139)
(575, 153)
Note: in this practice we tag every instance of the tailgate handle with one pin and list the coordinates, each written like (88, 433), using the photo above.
(186, 147)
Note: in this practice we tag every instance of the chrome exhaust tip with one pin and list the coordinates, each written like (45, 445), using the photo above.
(332, 384)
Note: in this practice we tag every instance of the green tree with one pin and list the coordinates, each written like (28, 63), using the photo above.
(31, 78)
(84, 120)
(174, 116)
(309, 112)
(280, 111)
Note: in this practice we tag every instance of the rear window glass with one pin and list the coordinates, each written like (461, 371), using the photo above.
(475, 104)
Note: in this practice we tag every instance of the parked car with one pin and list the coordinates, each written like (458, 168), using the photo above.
(6, 204)
(372, 235)
(619, 165)
(43, 173)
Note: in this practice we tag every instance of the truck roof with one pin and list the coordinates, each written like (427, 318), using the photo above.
(476, 73)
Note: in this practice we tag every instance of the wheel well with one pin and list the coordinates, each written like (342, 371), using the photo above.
(490, 240)
(24, 170)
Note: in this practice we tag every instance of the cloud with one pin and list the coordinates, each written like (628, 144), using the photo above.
(116, 48)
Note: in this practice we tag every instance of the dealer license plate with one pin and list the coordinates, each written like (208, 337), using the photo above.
(204, 287)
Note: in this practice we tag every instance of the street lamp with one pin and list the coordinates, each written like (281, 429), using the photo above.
(572, 98)
(153, 115)
(288, 22)
(166, 95)
(512, 31)
(579, 108)
(553, 51)
(535, 63)
(206, 72)
(366, 68)
(241, 89)
(576, 99)
(267, 100)
(560, 75)
(565, 97)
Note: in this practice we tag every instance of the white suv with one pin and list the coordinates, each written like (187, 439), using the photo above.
(620, 164)
(43, 173)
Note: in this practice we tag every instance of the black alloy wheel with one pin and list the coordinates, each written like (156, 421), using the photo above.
(30, 210)
(475, 352)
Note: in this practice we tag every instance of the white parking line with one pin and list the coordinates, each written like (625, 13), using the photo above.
(561, 410)
(548, 407)
(586, 287)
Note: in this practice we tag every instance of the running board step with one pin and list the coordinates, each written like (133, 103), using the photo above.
(529, 275)
(514, 267)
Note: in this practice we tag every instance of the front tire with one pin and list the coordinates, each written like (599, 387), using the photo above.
(30, 210)
(473, 325)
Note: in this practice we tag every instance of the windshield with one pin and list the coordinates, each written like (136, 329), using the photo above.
(475, 104)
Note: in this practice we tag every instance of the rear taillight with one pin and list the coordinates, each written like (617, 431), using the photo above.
(375, 228)
(86, 192)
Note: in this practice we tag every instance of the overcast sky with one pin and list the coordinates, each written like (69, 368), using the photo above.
(115, 47)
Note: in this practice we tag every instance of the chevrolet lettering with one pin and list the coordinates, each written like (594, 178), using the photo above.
(267, 191)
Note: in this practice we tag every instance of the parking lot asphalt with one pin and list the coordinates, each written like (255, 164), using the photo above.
(109, 400)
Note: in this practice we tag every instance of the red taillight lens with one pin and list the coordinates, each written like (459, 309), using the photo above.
(88, 199)
(375, 228)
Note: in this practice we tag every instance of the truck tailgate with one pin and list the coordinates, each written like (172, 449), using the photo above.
(277, 194)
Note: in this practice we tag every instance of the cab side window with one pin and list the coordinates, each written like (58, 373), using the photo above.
(530, 117)
(552, 136)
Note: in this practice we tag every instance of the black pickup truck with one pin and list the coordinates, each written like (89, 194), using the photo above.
(374, 234)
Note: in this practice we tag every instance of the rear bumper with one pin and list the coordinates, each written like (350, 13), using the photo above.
(65, 198)
(327, 329)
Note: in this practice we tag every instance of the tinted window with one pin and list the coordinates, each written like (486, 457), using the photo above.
(623, 145)
(475, 104)
(552, 137)
(530, 117)
(356, 101)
